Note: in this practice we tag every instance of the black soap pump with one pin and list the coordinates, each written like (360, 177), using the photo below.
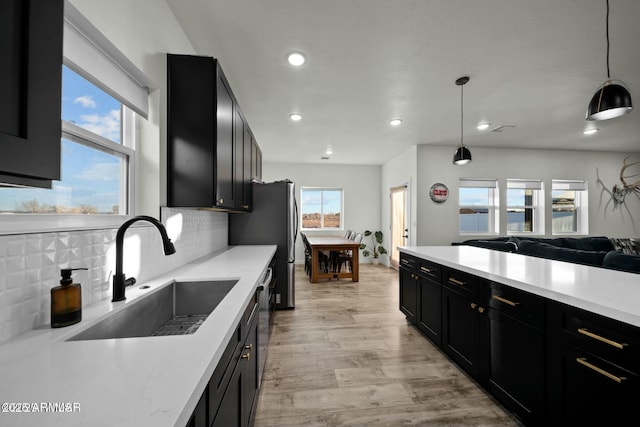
(66, 300)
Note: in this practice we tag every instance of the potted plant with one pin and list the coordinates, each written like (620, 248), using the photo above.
(376, 249)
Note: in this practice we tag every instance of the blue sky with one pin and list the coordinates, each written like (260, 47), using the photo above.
(316, 201)
(89, 176)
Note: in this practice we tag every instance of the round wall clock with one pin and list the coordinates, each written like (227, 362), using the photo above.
(439, 192)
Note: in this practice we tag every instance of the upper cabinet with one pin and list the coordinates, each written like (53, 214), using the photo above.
(31, 86)
(210, 146)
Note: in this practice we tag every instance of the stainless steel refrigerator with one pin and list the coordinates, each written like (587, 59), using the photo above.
(273, 221)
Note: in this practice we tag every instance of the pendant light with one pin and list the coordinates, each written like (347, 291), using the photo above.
(462, 156)
(612, 99)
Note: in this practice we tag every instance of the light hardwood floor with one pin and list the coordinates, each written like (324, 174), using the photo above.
(346, 356)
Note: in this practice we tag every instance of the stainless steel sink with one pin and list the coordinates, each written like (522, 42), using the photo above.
(177, 309)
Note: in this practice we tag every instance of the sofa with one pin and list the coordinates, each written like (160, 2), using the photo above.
(614, 253)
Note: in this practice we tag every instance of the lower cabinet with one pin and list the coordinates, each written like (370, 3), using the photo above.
(593, 367)
(239, 400)
(548, 363)
(515, 368)
(231, 396)
(464, 320)
(408, 287)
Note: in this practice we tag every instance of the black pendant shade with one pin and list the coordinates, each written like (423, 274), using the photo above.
(610, 101)
(462, 156)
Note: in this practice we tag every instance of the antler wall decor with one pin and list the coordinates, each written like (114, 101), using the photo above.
(620, 191)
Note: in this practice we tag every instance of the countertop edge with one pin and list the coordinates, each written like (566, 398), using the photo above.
(494, 267)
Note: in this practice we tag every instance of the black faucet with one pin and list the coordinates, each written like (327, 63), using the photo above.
(119, 279)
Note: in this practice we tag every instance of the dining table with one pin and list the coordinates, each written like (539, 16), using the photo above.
(333, 243)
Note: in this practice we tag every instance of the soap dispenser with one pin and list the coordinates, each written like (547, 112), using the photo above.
(66, 300)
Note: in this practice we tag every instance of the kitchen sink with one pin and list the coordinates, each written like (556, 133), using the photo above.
(177, 309)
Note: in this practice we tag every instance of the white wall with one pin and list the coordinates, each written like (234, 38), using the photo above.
(438, 223)
(398, 171)
(361, 191)
(144, 31)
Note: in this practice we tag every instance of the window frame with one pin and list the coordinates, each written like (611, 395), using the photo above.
(322, 228)
(581, 193)
(493, 210)
(537, 206)
(19, 223)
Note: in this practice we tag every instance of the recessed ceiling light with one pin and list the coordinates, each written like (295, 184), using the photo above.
(590, 131)
(295, 117)
(296, 59)
(483, 126)
(395, 122)
(329, 151)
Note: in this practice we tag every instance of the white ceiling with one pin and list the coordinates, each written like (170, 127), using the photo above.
(533, 65)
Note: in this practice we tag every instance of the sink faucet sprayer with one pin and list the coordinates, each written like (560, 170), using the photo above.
(119, 279)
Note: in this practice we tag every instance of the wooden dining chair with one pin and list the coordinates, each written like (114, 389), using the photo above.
(345, 258)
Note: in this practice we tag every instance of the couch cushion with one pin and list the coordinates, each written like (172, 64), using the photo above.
(544, 250)
(599, 243)
(621, 261)
(493, 244)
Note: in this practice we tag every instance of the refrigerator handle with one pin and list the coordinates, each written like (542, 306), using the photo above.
(295, 205)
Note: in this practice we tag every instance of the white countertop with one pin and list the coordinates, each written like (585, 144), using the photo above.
(150, 381)
(611, 293)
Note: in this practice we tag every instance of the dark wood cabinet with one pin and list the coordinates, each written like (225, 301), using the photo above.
(224, 142)
(408, 288)
(464, 316)
(256, 161)
(238, 403)
(430, 301)
(547, 362)
(593, 368)
(209, 142)
(516, 373)
(31, 88)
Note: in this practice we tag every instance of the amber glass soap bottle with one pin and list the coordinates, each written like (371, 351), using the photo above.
(66, 301)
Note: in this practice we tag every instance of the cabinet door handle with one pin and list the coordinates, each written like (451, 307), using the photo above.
(481, 310)
(506, 301)
(425, 269)
(248, 347)
(246, 357)
(473, 305)
(245, 206)
(220, 201)
(612, 343)
(457, 282)
(583, 361)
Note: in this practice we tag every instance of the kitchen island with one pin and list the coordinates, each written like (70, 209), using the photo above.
(557, 343)
(603, 291)
(147, 381)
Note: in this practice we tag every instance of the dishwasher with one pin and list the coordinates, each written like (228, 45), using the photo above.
(266, 299)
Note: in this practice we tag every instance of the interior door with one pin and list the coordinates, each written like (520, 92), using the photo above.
(399, 222)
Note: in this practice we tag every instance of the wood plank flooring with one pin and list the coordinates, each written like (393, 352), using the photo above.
(346, 356)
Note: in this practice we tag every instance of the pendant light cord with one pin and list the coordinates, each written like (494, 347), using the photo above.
(608, 74)
(462, 114)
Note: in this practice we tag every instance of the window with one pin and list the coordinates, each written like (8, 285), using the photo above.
(525, 206)
(321, 208)
(478, 206)
(95, 157)
(569, 207)
(103, 93)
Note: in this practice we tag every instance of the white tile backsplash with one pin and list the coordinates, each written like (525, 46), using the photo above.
(30, 263)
